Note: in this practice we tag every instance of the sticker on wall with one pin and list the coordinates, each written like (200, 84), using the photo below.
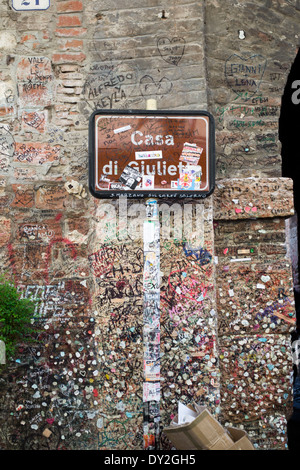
(152, 155)
(190, 153)
(151, 391)
(21, 5)
(148, 181)
(130, 177)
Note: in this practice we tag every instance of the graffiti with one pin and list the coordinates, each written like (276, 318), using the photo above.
(112, 311)
(201, 254)
(37, 232)
(7, 148)
(244, 74)
(33, 260)
(108, 89)
(35, 120)
(7, 143)
(171, 50)
(102, 262)
(57, 300)
(188, 287)
(108, 261)
(151, 88)
(35, 81)
(36, 153)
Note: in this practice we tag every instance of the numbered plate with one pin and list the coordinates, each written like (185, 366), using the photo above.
(21, 5)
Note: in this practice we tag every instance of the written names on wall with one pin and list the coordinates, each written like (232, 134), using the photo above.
(35, 81)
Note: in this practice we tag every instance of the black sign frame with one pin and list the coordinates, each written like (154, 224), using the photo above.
(153, 193)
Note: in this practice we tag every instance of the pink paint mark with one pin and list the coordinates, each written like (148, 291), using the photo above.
(58, 217)
(191, 288)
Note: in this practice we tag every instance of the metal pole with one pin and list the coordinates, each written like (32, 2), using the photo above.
(151, 322)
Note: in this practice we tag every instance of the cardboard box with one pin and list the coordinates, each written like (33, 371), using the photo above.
(240, 439)
(204, 432)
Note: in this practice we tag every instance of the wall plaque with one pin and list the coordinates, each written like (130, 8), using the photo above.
(151, 154)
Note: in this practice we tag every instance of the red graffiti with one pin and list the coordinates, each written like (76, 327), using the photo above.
(188, 286)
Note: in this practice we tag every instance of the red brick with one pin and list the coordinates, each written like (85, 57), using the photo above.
(70, 32)
(61, 58)
(4, 111)
(27, 37)
(36, 153)
(68, 68)
(24, 196)
(80, 224)
(51, 197)
(29, 260)
(68, 6)
(42, 231)
(67, 20)
(5, 229)
(34, 121)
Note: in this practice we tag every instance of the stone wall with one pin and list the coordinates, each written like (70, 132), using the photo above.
(226, 299)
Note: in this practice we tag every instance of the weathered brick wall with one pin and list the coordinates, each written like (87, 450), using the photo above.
(249, 54)
(250, 49)
(255, 305)
(83, 380)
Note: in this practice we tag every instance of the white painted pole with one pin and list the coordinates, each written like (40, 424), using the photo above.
(151, 338)
(2, 352)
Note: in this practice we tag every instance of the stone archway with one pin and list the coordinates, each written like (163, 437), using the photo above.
(289, 126)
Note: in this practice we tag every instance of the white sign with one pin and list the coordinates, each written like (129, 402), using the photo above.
(30, 4)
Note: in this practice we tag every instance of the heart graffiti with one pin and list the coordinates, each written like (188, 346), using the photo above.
(171, 50)
(151, 88)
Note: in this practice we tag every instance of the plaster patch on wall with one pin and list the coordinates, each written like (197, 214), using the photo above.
(35, 81)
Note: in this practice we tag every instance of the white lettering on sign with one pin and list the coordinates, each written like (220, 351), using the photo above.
(159, 139)
(21, 5)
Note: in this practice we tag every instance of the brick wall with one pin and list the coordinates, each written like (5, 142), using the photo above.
(82, 380)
